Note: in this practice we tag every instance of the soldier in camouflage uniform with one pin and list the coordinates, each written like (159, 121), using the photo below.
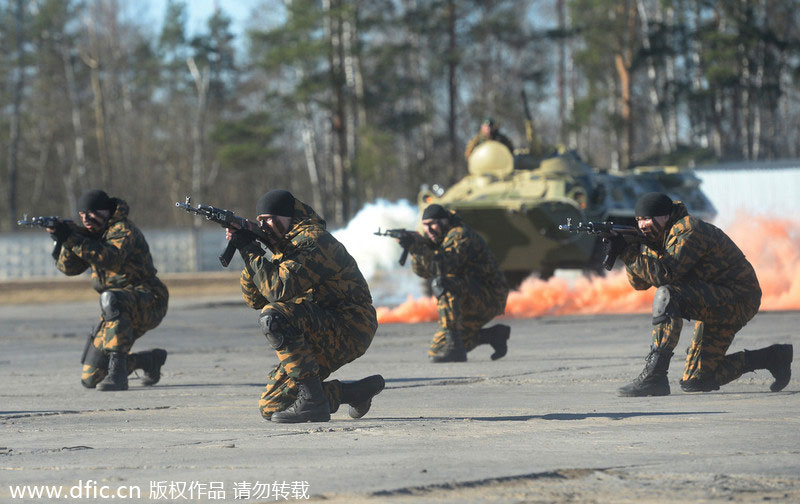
(467, 282)
(701, 275)
(488, 131)
(316, 312)
(132, 299)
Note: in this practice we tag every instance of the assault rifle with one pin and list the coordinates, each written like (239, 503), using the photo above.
(606, 230)
(44, 222)
(402, 235)
(226, 219)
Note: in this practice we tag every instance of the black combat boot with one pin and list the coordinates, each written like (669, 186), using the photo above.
(497, 336)
(703, 384)
(117, 377)
(359, 394)
(151, 362)
(311, 404)
(453, 350)
(653, 379)
(777, 359)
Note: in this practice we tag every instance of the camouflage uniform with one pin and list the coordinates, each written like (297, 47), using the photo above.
(480, 138)
(120, 261)
(317, 287)
(476, 288)
(712, 283)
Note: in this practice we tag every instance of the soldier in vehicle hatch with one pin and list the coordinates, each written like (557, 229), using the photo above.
(488, 131)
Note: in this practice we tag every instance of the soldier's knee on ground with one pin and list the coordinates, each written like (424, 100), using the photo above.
(94, 356)
(91, 376)
(276, 328)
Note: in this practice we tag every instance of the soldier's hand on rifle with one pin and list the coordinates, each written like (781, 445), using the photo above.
(616, 243)
(245, 243)
(60, 232)
(406, 240)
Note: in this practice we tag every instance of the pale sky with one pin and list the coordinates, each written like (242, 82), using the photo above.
(198, 12)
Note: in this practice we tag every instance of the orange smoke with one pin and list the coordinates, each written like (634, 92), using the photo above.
(771, 245)
(410, 311)
(773, 248)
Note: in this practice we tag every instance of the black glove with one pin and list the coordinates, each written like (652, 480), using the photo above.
(438, 286)
(406, 240)
(614, 245)
(617, 244)
(61, 232)
(245, 243)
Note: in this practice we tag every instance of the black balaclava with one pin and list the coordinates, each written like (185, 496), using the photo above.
(435, 211)
(276, 202)
(653, 204)
(93, 200)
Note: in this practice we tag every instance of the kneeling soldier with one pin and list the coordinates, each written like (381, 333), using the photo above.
(700, 275)
(467, 282)
(316, 312)
(132, 298)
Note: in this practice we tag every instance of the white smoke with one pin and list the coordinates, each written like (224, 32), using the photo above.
(377, 256)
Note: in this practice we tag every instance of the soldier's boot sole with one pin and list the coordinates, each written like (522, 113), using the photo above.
(373, 385)
(152, 374)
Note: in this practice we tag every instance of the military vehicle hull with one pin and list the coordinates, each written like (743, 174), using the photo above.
(518, 211)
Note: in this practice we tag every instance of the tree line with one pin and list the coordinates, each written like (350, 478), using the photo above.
(346, 101)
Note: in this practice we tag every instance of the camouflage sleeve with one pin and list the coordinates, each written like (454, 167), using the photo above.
(70, 264)
(456, 251)
(250, 292)
(636, 282)
(107, 254)
(291, 276)
(423, 261)
(683, 249)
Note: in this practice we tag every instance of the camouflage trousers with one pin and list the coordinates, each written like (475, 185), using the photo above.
(465, 308)
(141, 308)
(326, 340)
(719, 313)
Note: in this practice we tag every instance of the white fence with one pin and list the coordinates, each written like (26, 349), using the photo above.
(27, 253)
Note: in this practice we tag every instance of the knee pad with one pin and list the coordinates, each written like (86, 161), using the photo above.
(109, 305)
(276, 328)
(664, 305)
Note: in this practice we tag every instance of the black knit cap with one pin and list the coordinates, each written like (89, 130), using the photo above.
(93, 200)
(276, 202)
(435, 211)
(653, 204)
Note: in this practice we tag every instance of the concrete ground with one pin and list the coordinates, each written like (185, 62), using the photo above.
(543, 424)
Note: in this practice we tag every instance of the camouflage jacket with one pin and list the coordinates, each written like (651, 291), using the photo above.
(310, 264)
(119, 258)
(461, 258)
(692, 250)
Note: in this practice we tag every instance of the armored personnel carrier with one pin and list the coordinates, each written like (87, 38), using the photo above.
(517, 201)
